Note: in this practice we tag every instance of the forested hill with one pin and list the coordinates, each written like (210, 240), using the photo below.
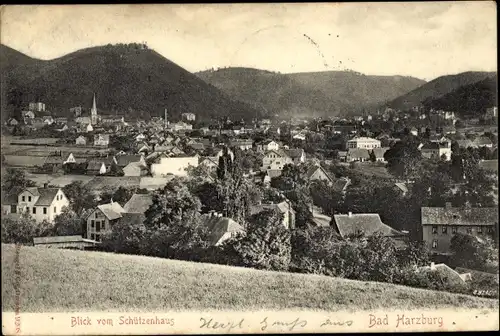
(129, 79)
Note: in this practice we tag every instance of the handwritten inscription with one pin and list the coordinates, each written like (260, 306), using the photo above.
(330, 322)
(216, 325)
(287, 325)
(405, 320)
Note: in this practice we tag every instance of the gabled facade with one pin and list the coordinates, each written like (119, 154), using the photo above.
(275, 160)
(101, 219)
(41, 203)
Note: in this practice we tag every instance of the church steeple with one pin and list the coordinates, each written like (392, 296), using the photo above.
(93, 112)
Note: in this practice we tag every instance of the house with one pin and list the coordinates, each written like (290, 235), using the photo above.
(466, 143)
(140, 137)
(267, 145)
(12, 122)
(64, 242)
(154, 183)
(181, 126)
(41, 203)
(135, 169)
(38, 107)
(143, 148)
(221, 228)
(284, 208)
(363, 142)
(436, 151)
(100, 220)
(439, 139)
(173, 165)
(210, 162)
(81, 140)
(86, 128)
(357, 154)
(101, 140)
(163, 148)
(402, 188)
(53, 163)
(340, 185)
(414, 131)
(379, 153)
(275, 160)
(242, 144)
(367, 224)
(83, 120)
(196, 146)
(301, 136)
(48, 120)
(96, 167)
(188, 116)
(76, 111)
(447, 274)
(296, 154)
(124, 160)
(138, 203)
(439, 224)
(27, 114)
(483, 141)
(318, 173)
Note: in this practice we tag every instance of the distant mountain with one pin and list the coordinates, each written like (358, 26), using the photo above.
(313, 93)
(127, 79)
(469, 100)
(438, 88)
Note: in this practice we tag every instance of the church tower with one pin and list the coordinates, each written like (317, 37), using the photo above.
(93, 113)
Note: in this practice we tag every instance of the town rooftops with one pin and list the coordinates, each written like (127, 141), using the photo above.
(369, 224)
(294, 153)
(219, 226)
(123, 160)
(138, 203)
(363, 139)
(489, 165)
(281, 207)
(358, 153)
(459, 216)
(45, 195)
(111, 210)
(312, 170)
(482, 141)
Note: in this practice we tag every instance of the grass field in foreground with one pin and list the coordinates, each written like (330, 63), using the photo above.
(65, 280)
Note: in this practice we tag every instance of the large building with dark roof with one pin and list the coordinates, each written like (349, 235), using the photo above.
(440, 224)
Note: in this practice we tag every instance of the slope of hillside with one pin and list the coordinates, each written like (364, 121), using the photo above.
(315, 93)
(65, 280)
(438, 88)
(127, 79)
(469, 100)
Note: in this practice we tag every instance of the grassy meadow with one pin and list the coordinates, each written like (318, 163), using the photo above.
(54, 280)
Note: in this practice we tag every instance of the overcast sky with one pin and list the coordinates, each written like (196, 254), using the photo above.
(424, 40)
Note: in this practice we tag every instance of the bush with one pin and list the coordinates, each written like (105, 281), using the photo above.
(24, 229)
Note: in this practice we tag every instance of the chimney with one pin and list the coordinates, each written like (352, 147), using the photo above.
(45, 185)
(433, 266)
(111, 202)
(349, 214)
(448, 205)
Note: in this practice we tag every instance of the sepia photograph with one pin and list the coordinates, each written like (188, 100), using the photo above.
(249, 168)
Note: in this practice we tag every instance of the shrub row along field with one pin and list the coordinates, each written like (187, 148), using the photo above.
(65, 280)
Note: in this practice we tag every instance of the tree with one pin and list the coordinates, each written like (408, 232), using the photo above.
(266, 244)
(373, 157)
(79, 196)
(23, 229)
(68, 223)
(174, 222)
(15, 178)
(404, 159)
(471, 252)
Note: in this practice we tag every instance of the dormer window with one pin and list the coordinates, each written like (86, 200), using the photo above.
(29, 198)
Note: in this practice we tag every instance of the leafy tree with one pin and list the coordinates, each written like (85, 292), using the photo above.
(373, 157)
(266, 244)
(80, 197)
(22, 230)
(128, 235)
(68, 223)
(174, 222)
(15, 178)
(471, 252)
(301, 201)
(404, 159)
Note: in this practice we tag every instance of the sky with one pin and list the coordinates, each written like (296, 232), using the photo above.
(419, 39)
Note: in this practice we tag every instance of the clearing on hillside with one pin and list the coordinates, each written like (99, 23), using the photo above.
(54, 280)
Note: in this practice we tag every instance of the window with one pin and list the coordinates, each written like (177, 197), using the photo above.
(24, 198)
(13, 209)
(453, 229)
(97, 226)
(479, 229)
(490, 230)
(434, 243)
(98, 237)
(34, 210)
(92, 224)
(55, 209)
(444, 229)
(29, 198)
(434, 229)
(92, 236)
(103, 224)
